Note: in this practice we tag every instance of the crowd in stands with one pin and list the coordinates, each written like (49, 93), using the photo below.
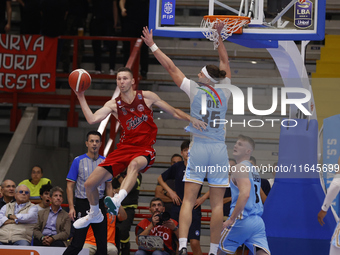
(82, 17)
(31, 213)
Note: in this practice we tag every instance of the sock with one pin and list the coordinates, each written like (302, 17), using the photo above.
(94, 208)
(121, 195)
(213, 248)
(182, 243)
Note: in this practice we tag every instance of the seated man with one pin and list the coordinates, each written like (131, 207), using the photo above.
(35, 183)
(54, 225)
(17, 219)
(167, 229)
(8, 192)
(90, 241)
(45, 196)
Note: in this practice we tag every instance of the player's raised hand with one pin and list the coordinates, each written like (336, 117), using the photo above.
(147, 36)
(219, 27)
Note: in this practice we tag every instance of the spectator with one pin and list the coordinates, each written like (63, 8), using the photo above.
(162, 193)
(90, 241)
(30, 17)
(53, 16)
(35, 183)
(17, 219)
(54, 225)
(135, 16)
(103, 23)
(53, 19)
(45, 196)
(8, 192)
(176, 172)
(168, 230)
(129, 203)
(5, 8)
(80, 170)
(76, 18)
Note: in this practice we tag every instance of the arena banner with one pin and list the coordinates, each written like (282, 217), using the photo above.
(331, 152)
(27, 63)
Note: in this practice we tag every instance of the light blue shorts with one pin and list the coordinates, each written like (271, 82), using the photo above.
(208, 160)
(249, 231)
(336, 236)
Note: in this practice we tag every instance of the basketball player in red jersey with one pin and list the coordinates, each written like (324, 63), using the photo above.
(134, 151)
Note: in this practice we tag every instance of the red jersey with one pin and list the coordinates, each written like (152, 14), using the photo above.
(136, 120)
(168, 235)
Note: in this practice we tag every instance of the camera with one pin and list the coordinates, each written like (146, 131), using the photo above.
(164, 216)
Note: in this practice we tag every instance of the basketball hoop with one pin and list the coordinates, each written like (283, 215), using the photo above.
(232, 24)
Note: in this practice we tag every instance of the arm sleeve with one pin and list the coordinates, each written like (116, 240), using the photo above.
(185, 86)
(332, 192)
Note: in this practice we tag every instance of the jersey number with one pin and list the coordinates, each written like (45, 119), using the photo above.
(209, 118)
(257, 196)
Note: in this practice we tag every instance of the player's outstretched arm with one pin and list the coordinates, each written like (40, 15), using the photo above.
(244, 186)
(163, 59)
(100, 114)
(176, 113)
(222, 52)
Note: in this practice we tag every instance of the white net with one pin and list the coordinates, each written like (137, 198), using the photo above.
(231, 24)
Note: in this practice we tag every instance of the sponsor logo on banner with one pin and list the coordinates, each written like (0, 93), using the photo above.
(303, 14)
(168, 12)
(140, 107)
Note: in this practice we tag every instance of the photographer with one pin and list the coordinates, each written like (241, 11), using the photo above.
(161, 225)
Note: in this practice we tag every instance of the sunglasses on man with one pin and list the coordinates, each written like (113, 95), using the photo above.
(24, 192)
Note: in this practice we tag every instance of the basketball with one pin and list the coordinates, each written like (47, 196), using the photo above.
(79, 80)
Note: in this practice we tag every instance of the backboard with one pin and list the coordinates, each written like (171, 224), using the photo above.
(272, 21)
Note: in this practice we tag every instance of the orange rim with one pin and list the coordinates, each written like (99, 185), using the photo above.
(224, 17)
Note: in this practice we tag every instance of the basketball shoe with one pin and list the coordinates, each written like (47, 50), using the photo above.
(112, 204)
(83, 222)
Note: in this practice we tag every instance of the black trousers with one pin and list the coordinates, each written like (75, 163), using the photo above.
(124, 231)
(99, 230)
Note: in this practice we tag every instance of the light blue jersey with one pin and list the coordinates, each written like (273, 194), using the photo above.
(216, 108)
(254, 204)
(248, 228)
(208, 155)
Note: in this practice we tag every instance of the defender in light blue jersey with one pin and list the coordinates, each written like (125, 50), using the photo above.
(244, 224)
(208, 156)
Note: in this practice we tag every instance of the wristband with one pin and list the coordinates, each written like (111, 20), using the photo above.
(175, 228)
(154, 47)
(8, 216)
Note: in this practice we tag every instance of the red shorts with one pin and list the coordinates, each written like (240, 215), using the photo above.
(120, 158)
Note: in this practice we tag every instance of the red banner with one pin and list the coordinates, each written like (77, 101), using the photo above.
(27, 63)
